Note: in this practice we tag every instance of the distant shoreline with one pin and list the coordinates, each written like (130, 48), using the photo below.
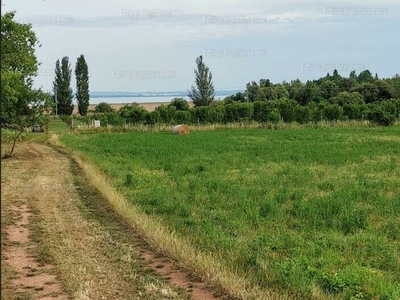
(149, 106)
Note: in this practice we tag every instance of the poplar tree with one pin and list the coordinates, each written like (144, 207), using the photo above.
(62, 87)
(82, 85)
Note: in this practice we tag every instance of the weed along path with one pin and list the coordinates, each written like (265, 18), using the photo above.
(61, 240)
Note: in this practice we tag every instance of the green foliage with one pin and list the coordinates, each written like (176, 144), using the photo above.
(365, 76)
(332, 112)
(306, 211)
(252, 91)
(103, 107)
(355, 111)
(82, 85)
(266, 112)
(329, 89)
(303, 115)
(179, 104)
(348, 98)
(62, 87)
(22, 106)
(378, 116)
(133, 113)
(203, 93)
(182, 117)
(199, 114)
(216, 114)
(237, 112)
(165, 114)
(109, 118)
(241, 97)
(129, 179)
(269, 111)
(287, 109)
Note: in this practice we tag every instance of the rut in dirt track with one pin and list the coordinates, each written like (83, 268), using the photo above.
(94, 253)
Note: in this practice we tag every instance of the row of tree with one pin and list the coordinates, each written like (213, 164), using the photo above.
(22, 105)
(274, 111)
(370, 88)
(362, 87)
(62, 90)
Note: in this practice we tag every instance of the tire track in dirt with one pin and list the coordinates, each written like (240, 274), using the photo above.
(32, 277)
(92, 260)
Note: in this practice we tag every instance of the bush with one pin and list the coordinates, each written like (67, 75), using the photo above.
(215, 114)
(355, 111)
(303, 114)
(263, 110)
(199, 114)
(274, 116)
(287, 109)
(182, 117)
(133, 113)
(103, 107)
(165, 114)
(333, 112)
(179, 104)
(378, 116)
(236, 112)
(110, 118)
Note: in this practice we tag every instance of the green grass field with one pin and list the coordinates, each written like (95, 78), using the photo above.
(311, 211)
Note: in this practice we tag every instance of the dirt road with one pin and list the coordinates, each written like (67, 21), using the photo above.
(61, 240)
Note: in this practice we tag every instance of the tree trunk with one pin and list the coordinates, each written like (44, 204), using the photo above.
(16, 136)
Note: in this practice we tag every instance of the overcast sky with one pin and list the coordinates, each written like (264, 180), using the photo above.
(152, 45)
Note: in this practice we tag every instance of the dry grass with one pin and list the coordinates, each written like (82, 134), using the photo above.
(215, 127)
(91, 262)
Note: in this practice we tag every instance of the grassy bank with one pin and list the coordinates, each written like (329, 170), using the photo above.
(312, 211)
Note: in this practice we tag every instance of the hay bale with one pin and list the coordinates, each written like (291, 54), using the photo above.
(181, 129)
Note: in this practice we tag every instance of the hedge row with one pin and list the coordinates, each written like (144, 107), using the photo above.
(283, 110)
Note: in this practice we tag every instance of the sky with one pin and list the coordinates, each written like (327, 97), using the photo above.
(149, 46)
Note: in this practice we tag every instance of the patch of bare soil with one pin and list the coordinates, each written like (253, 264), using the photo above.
(30, 278)
(62, 240)
(23, 276)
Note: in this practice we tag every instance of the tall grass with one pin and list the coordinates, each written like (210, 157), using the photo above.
(85, 129)
(312, 211)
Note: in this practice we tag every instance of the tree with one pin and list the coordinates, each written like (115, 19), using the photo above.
(378, 116)
(82, 85)
(252, 91)
(103, 107)
(311, 93)
(166, 113)
(22, 106)
(297, 91)
(62, 87)
(365, 76)
(329, 89)
(347, 98)
(132, 113)
(261, 95)
(203, 93)
(179, 104)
